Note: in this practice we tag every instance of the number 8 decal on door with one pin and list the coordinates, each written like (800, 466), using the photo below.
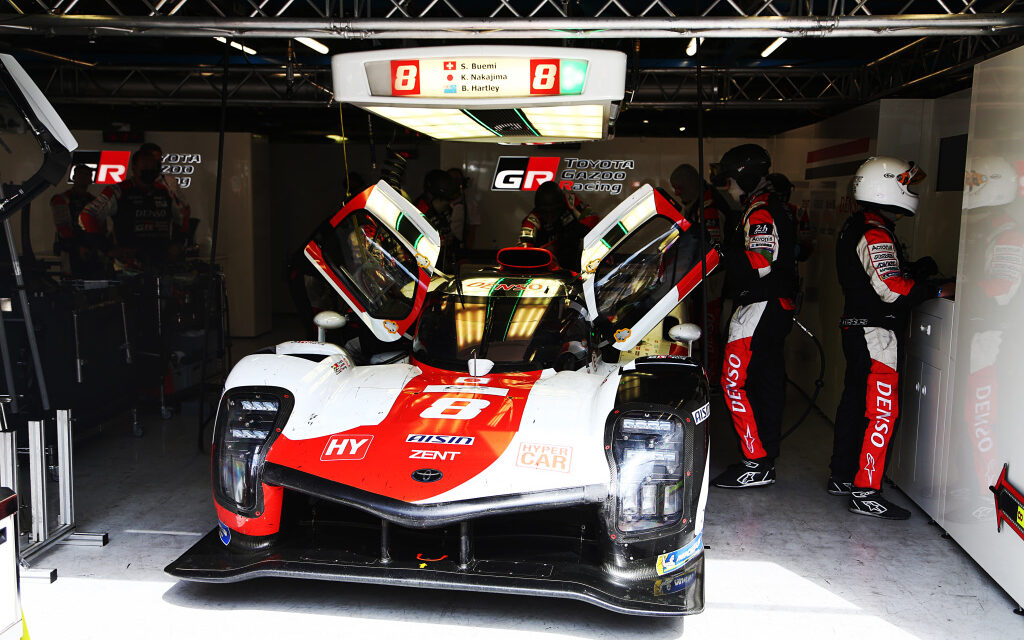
(449, 408)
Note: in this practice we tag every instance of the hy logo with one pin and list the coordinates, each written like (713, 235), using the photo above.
(523, 173)
(346, 447)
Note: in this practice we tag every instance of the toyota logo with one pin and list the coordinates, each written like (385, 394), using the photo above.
(426, 475)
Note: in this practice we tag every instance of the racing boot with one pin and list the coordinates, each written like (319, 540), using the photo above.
(747, 473)
(869, 502)
(838, 488)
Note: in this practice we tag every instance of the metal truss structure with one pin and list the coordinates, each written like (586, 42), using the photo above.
(949, 36)
(517, 19)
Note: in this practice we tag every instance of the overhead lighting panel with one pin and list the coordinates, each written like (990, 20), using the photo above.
(500, 94)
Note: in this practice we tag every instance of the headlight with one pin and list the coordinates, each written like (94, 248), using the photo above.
(648, 452)
(247, 423)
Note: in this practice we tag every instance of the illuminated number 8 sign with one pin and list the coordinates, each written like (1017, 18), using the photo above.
(405, 77)
(544, 77)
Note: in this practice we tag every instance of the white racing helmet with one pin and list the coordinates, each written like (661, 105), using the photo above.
(989, 181)
(886, 182)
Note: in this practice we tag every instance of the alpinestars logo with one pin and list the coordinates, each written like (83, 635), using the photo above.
(523, 173)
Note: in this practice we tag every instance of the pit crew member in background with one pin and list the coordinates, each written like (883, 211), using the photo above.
(70, 238)
(170, 183)
(879, 295)
(147, 220)
(688, 187)
(805, 242)
(465, 214)
(559, 221)
(435, 203)
(761, 265)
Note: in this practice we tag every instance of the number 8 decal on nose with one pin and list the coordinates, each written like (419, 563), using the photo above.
(449, 408)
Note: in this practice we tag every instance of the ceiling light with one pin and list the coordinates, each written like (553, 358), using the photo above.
(443, 124)
(240, 47)
(691, 49)
(682, 128)
(314, 45)
(772, 47)
(336, 138)
(646, 121)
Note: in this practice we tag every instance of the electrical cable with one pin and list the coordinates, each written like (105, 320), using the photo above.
(344, 151)
(812, 399)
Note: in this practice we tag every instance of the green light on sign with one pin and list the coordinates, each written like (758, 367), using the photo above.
(573, 75)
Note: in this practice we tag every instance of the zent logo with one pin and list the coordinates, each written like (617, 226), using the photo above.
(346, 447)
(449, 408)
(391, 326)
(523, 173)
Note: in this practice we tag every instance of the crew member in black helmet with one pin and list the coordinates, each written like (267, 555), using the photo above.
(805, 237)
(439, 192)
(558, 223)
(761, 265)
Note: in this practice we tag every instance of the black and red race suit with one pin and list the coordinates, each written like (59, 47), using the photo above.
(879, 296)
(995, 241)
(71, 239)
(146, 217)
(561, 233)
(762, 268)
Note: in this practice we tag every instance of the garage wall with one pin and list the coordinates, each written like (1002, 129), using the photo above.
(241, 247)
(984, 431)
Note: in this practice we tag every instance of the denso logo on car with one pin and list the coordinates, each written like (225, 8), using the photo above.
(523, 173)
(346, 447)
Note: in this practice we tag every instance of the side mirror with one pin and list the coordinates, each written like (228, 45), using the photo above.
(686, 333)
(327, 320)
(53, 137)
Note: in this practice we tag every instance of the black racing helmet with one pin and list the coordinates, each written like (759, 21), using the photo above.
(746, 164)
(549, 198)
(440, 185)
(781, 185)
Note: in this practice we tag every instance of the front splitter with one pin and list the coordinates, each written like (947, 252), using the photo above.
(677, 594)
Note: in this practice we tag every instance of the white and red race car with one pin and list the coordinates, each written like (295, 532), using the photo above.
(505, 449)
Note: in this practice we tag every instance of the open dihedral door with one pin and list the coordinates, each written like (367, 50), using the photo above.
(24, 109)
(638, 263)
(379, 254)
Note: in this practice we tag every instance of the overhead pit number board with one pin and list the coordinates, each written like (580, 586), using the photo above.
(487, 93)
(477, 77)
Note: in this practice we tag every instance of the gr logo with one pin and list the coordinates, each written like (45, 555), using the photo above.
(109, 167)
(523, 173)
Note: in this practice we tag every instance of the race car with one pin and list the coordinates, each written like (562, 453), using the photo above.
(501, 446)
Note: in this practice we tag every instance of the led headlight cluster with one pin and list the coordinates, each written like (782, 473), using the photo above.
(245, 425)
(648, 450)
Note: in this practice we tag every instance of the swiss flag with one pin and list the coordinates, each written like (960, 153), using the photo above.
(449, 65)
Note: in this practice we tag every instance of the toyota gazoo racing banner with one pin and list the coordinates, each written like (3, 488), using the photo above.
(526, 173)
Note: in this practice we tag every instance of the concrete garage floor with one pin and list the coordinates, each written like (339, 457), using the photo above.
(787, 561)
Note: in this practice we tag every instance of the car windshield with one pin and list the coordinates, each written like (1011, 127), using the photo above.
(519, 323)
